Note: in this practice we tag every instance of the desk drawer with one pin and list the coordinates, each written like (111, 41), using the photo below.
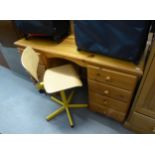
(119, 116)
(118, 79)
(97, 99)
(107, 90)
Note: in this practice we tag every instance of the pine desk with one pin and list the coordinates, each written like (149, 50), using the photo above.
(111, 82)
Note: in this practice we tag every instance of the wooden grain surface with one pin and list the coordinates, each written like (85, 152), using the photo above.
(110, 112)
(111, 77)
(141, 123)
(68, 50)
(142, 114)
(113, 92)
(146, 101)
(98, 99)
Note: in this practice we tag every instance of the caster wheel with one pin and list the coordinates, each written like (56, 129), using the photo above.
(72, 126)
(41, 91)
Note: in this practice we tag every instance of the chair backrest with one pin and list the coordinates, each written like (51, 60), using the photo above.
(30, 61)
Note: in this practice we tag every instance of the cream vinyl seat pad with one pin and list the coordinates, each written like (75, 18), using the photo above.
(61, 78)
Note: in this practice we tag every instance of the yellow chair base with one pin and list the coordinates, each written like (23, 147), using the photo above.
(65, 105)
(40, 85)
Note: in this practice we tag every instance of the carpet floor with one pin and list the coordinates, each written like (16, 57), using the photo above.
(23, 110)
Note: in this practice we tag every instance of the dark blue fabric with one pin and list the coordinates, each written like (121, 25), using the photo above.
(120, 39)
(35, 26)
(55, 29)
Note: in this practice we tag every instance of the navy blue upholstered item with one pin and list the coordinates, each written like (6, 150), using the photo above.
(55, 29)
(120, 39)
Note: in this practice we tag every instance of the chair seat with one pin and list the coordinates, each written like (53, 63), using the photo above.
(61, 78)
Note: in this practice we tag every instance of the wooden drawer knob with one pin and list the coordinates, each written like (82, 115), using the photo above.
(106, 92)
(108, 78)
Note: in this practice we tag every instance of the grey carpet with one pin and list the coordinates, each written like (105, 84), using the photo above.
(23, 110)
(12, 58)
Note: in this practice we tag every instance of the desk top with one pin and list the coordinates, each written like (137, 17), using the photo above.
(68, 50)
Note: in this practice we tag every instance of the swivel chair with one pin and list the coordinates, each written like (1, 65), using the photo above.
(56, 79)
